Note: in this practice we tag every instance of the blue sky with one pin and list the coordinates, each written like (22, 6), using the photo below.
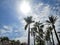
(12, 22)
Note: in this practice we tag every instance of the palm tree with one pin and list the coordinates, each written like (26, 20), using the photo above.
(52, 20)
(49, 32)
(28, 21)
(39, 31)
(47, 36)
(33, 33)
(39, 27)
(39, 41)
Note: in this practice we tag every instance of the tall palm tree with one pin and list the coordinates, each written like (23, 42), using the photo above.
(28, 21)
(52, 20)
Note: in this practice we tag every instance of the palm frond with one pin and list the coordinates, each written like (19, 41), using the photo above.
(48, 21)
(28, 20)
(26, 26)
(52, 19)
(37, 24)
(47, 36)
(33, 30)
(42, 26)
(55, 18)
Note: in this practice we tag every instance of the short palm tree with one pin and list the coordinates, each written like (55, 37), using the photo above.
(28, 20)
(49, 32)
(52, 20)
(39, 27)
(33, 33)
(39, 31)
(47, 36)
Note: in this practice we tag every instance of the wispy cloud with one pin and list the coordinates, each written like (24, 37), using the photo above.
(6, 29)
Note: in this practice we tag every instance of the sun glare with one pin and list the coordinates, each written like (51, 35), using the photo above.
(25, 7)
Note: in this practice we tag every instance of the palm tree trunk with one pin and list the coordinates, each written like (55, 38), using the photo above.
(56, 35)
(52, 38)
(29, 35)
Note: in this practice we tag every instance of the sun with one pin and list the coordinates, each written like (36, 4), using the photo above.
(25, 7)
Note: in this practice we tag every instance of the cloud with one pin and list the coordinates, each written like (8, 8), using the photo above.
(6, 29)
